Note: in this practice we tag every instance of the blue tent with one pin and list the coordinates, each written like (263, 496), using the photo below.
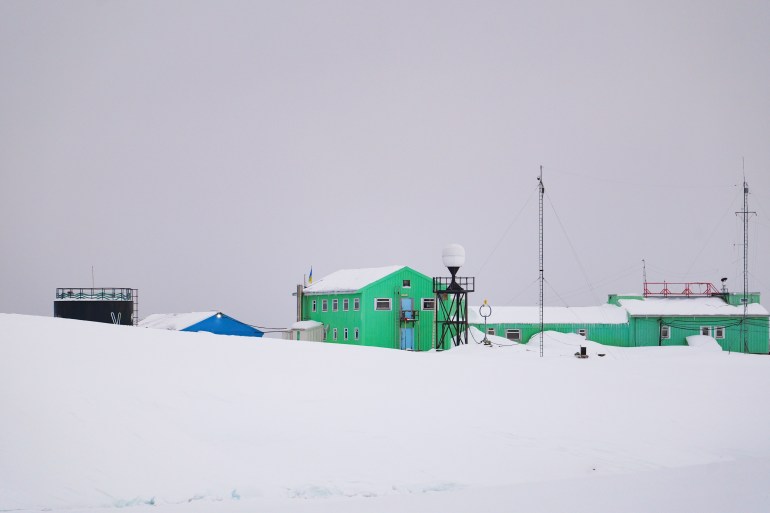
(212, 322)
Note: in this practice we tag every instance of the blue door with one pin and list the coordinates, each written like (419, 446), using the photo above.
(407, 323)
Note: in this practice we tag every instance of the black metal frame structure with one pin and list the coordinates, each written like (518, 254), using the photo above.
(451, 316)
(102, 294)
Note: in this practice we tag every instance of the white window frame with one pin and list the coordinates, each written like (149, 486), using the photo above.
(490, 331)
(719, 332)
(335, 305)
(582, 332)
(344, 333)
(705, 330)
(431, 301)
(356, 304)
(334, 333)
(376, 304)
(406, 284)
(513, 334)
(314, 305)
(355, 333)
(665, 332)
(345, 305)
(324, 305)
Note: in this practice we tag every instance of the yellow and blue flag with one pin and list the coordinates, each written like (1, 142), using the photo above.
(310, 278)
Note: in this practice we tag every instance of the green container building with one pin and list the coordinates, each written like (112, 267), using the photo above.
(631, 321)
(670, 320)
(390, 307)
(606, 324)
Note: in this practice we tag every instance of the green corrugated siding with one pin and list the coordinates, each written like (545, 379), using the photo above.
(378, 328)
(382, 328)
(609, 334)
(645, 331)
(339, 319)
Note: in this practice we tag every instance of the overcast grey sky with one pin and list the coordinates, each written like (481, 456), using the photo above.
(208, 153)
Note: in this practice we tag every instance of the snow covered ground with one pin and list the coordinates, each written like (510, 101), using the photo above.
(96, 417)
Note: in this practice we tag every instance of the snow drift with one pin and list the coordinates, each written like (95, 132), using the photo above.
(98, 416)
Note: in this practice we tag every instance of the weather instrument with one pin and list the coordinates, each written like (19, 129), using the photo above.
(485, 311)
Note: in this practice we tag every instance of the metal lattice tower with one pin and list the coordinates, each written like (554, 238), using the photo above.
(745, 299)
(540, 246)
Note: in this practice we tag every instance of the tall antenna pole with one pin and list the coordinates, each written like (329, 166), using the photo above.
(745, 299)
(542, 279)
(644, 275)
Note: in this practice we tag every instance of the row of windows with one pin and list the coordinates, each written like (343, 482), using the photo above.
(336, 305)
(717, 332)
(510, 334)
(380, 303)
(345, 333)
(515, 334)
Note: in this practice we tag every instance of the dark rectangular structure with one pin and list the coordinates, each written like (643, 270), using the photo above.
(110, 305)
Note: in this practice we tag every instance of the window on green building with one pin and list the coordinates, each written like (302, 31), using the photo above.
(665, 332)
(719, 332)
(490, 331)
(356, 303)
(407, 283)
(345, 334)
(514, 335)
(345, 305)
(355, 333)
(428, 303)
(334, 333)
(324, 305)
(335, 305)
(382, 303)
(314, 306)
(705, 330)
(582, 332)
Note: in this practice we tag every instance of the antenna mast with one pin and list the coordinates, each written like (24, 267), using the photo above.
(644, 275)
(745, 299)
(542, 192)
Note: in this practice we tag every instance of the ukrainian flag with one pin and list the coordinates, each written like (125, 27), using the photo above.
(310, 278)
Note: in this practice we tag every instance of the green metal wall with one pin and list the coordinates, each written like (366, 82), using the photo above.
(645, 331)
(378, 328)
(609, 334)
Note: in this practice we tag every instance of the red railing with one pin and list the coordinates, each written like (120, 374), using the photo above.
(689, 289)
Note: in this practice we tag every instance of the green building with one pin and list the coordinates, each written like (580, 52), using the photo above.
(389, 307)
(670, 320)
(633, 320)
(606, 324)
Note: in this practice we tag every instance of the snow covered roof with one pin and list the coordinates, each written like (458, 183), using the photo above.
(695, 306)
(305, 325)
(605, 314)
(174, 321)
(350, 280)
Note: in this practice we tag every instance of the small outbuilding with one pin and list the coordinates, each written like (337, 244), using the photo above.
(312, 331)
(211, 322)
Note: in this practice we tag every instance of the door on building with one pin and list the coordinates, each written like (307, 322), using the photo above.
(407, 323)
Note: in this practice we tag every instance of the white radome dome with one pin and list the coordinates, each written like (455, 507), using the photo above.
(453, 255)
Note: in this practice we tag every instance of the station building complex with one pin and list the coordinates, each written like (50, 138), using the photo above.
(394, 307)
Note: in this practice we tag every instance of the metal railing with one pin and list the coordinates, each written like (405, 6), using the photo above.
(100, 294)
(442, 284)
(687, 289)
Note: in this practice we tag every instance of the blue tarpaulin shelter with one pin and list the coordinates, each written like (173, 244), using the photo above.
(212, 322)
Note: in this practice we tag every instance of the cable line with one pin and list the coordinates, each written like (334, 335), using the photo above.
(711, 236)
(505, 233)
(574, 253)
